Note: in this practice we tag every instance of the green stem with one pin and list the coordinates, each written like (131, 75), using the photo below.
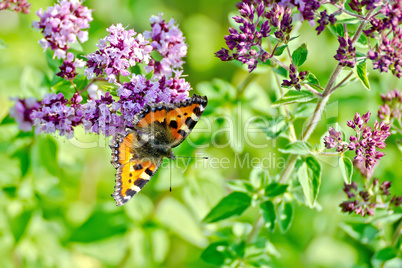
(255, 229)
(397, 234)
(316, 117)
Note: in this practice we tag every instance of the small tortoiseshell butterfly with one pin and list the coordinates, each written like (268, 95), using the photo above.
(157, 129)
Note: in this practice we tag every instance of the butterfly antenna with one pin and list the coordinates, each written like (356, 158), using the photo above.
(171, 171)
(193, 157)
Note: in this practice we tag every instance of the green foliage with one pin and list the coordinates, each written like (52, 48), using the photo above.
(233, 204)
(294, 96)
(55, 204)
(299, 56)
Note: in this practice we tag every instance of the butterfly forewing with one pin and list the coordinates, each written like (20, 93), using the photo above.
(183, 118)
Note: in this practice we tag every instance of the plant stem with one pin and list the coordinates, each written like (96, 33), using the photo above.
(255, 229)
(397, 234)
(243, 85)
(316, 117)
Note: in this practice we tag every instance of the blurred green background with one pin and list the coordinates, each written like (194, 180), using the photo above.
(55, 203)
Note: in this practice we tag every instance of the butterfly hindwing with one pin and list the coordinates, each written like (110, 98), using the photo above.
(132, 177)
(121, 147)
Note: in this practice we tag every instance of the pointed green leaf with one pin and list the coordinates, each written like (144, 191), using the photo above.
(3, 45)
(281, 71)
(275, 189)
(386, 254)
(298, 147)
(346, 166)
(294, 96)
(337, 29)
(314, 176)
(214, 254)
(279, 50)
(285, 216)
(233, 204)
(361, 71)
(268, 214)
(299, 56)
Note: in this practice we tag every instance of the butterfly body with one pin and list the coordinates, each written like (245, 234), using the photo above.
(156, 130)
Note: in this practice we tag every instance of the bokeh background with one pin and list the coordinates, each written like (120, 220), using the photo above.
(55, 203)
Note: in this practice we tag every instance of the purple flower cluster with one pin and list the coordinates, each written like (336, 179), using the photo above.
(387, 28)
(63, 24)
(117, 52)
(358, 6)
(324, 20)
(22, 112)
(334, 139)
(101, 116)
(54, 114)
(346, 53)
(295, 78)
(140, 91)
(364, 202)
(68, 68)
(168, 40)
(280, 17)
(392, 106)
(258, 19)
(365, 142)
(245, 45)
(15, 5)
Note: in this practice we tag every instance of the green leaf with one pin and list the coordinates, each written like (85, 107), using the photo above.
(268, 214)
(309, 175)
(304, 110)
(100, 225)
(337, 29)
(274, 127)
(233, 204)
(281, 71)
(19, 224)
(3, 45)
(361, 71)
(48, 154)
(76, 46)
(294, 96)
(23, 154)
(299, 56)
(214, 253)
(385, 254)
(346, 166)
(239, 248)
(279, 50)
(285, 216)
(312, 80)
(298, 148)
(363, 40)
(275, 189)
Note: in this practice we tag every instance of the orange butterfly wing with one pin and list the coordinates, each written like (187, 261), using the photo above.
(132, 173)
(179, 118)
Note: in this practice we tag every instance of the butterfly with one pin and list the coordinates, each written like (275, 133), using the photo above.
(157, 128)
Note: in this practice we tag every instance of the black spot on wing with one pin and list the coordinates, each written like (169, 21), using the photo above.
(197, 111)
(140, 182)
(190, 123)
(173, 124)
(182, 132)
(137, 166)
(149, 172)
(130, 192)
